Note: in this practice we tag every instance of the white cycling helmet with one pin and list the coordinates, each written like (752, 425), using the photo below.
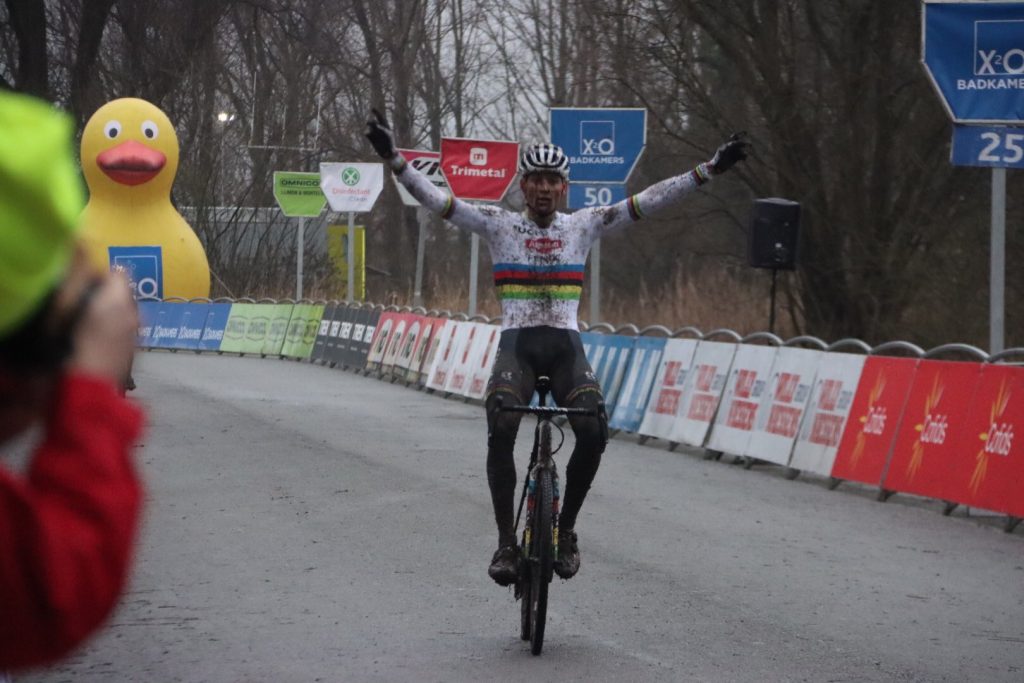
(544, 158)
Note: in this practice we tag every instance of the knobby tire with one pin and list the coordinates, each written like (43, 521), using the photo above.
(543, 545)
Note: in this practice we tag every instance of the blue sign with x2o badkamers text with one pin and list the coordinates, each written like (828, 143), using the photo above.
(603, 144)
(974, 54)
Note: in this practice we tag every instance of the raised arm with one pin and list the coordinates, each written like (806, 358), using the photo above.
(670, 191)
(444, 204)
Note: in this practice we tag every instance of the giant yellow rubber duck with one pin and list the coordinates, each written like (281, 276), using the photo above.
(129, 159)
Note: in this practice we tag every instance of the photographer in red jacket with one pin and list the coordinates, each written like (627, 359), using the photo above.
(67, 335)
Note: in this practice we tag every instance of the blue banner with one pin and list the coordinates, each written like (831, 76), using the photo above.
(144, 267)
(213, 330)
(168, 320)
(603, 145)
(608, 355)
(149, 311)
(974, 52)
(191, 322)
(629, 409)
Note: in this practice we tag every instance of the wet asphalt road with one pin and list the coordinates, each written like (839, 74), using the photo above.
(310, 524)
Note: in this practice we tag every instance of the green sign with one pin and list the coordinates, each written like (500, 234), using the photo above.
(299, 194)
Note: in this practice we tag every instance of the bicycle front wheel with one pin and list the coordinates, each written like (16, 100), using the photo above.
(542, 557)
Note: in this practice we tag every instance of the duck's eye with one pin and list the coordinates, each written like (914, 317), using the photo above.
(150, 130)
(112, 129)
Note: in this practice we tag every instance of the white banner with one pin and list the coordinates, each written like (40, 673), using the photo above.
(351, 187)
(467, 346)
(742, 398)
(702, 391)
(666, 402)
(443, 355)
(782, 406)
(484, 363)
(827, 412)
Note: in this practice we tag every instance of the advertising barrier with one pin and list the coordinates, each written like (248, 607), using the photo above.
(165, 330)
(396, 342)
(213, 329)
(932, 430)
(341, 331)
(362, 334)
(636, 386)
(278, 315)
(467, 346)
(608, 356)
(825, 418)
(388, 323)
(480, 372)
(666, 400)
(989, 470)
(874, 419)
(302, 331)
(319, 351)
(782, 406)
(702, 392)
(741, 400)
(444, 354)
(149, 311)
(428, 350)
(421, 346)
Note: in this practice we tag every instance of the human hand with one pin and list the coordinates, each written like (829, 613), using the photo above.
(380, 135)
(104, 337)
(729, 153)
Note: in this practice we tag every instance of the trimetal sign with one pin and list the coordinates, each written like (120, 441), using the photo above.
(479, 169)
(351, 187)
(603, 145)
(426, 162)
(974, 55)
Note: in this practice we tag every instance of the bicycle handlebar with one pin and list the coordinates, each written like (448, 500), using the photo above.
(548, 410)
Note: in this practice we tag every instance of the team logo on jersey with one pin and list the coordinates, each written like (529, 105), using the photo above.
(544, 245)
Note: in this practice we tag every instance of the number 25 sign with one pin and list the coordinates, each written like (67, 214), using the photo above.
(998, 146)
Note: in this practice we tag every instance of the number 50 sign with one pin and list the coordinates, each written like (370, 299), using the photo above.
(997, 146)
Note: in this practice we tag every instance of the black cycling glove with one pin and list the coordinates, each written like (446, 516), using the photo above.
(380, 135)
(732, 151)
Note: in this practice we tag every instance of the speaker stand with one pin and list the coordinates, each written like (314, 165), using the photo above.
(771, 312)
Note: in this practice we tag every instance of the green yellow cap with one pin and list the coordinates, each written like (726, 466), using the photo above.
(41, 197)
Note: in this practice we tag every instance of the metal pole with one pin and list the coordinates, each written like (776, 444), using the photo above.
(298, 265)
(424, 220)
(595, 283)
(351, 254)
(474, 266)
(771, 311)
(997, 268)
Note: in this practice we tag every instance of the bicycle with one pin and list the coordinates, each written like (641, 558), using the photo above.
(539, 546)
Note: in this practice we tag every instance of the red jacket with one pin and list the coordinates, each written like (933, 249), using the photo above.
(68, 527)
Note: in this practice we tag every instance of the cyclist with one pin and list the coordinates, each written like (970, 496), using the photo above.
(539, 258)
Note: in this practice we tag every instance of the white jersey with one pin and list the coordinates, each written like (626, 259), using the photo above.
(539, 271)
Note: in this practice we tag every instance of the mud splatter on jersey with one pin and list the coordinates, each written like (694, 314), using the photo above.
(539, 271)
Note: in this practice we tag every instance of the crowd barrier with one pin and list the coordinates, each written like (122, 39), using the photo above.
(893, 417)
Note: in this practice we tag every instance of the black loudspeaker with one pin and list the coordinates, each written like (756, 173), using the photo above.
(774, 234)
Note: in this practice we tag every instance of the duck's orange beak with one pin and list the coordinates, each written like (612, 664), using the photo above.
(131, 163)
